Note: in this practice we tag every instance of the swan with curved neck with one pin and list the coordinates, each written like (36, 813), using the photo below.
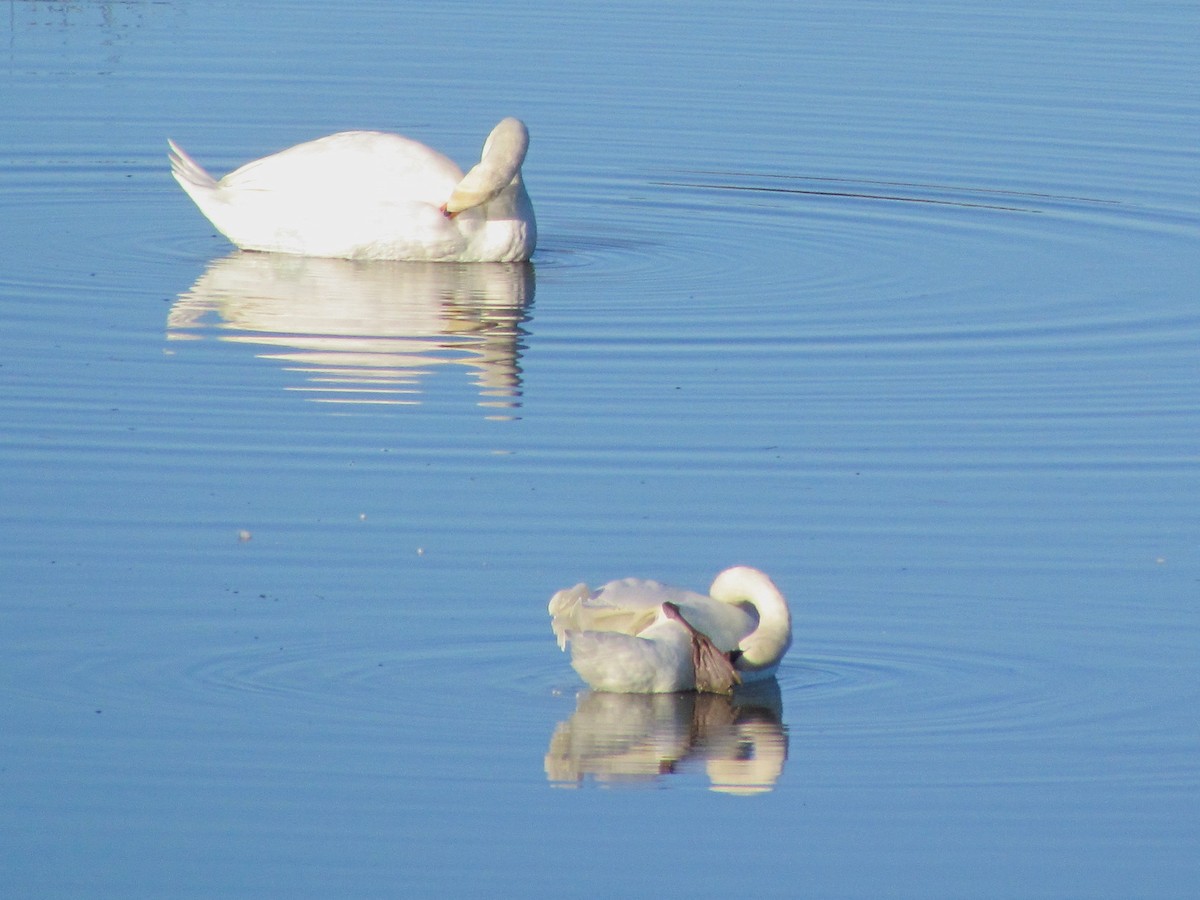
(636, 636)
(372, 195)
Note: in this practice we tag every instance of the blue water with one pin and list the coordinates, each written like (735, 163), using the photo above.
(896, 304)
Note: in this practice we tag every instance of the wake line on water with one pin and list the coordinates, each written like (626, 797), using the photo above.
(889, 197)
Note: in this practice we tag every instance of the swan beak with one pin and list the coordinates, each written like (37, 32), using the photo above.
(445, 212)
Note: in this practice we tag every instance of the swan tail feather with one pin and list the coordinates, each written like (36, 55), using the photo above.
(564, 611)
(189, 173)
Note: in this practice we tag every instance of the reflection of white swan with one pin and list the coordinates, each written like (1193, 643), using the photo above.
(621, 738)
(366, 332)
(645, 637)
(370, 195)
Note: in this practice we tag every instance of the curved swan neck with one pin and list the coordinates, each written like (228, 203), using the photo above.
(507, 144)
(771, 639)
(500, 163)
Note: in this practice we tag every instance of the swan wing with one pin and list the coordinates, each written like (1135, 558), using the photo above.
(628, 606)
(580, 609)
(725, 624)
(641, 593)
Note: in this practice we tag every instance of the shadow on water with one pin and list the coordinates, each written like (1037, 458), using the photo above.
(367, 332)
(638, 739)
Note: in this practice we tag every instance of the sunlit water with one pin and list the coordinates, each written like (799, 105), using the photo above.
(898, 305)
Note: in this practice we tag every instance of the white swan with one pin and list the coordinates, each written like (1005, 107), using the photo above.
(371, 195)
(643, 637)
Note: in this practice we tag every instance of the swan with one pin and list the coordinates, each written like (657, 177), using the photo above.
(372, 195)
(643, 637)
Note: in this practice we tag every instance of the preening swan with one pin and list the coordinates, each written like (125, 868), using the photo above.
(371, 195)
(635, 636)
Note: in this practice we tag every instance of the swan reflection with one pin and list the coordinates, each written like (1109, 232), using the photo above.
(366, 332)
(634, 738)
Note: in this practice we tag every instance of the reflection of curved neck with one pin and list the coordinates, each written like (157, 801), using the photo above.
(773, 635)
(635, 738)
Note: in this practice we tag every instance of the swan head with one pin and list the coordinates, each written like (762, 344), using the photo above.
(500, 163)
(765, 645)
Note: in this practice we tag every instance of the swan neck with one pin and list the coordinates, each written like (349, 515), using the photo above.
(498, 168)
(773, 635)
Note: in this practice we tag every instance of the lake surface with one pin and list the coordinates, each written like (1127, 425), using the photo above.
(897, 303)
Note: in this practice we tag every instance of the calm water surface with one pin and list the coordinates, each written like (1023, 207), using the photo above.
(896, 303)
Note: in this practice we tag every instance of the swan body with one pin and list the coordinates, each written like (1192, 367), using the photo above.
(372, 195)
(636, 636)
